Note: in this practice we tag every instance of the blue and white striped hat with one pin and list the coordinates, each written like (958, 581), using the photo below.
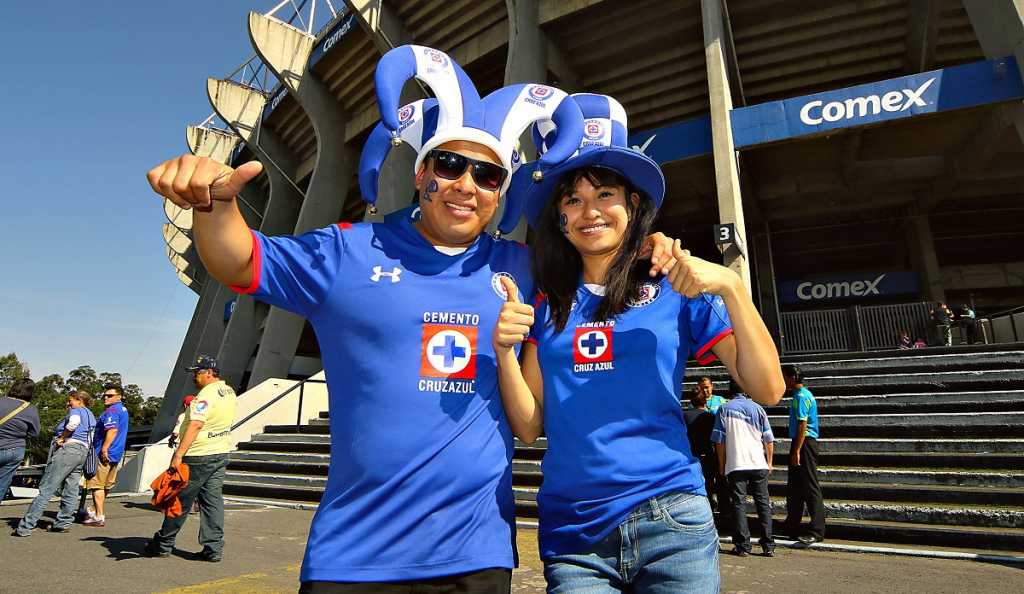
(603, 144)
(458, 113)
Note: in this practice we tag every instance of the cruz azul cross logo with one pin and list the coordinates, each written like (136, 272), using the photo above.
(592, 349)
(406, 112)
(448, 351)
(593, 129)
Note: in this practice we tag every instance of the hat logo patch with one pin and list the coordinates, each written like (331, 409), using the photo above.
(406, 113)
(593, 129)
(538, 94)
(436, 57)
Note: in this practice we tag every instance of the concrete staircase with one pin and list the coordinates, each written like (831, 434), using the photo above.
(921, 447)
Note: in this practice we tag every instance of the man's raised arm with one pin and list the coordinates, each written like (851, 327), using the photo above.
(209, 188)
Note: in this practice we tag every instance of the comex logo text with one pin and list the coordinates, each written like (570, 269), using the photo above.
(815, 112)
(807, 291)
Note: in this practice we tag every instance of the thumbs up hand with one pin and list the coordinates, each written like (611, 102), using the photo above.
(191, 181)
(514, 319)
(692, 276)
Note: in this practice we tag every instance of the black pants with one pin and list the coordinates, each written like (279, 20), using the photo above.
(487, 581)
(803, 489)
(756, 483)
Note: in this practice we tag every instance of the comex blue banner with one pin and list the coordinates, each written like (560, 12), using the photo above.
(957, 87)
(849, 286)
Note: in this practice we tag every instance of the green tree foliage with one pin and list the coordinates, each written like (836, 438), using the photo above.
(51, 399)
(11, 369)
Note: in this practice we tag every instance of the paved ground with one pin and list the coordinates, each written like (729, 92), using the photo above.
(264, 548)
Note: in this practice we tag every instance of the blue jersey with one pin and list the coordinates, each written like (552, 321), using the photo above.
(714, 403)
(114, 417)
(616, 435)
(420, 481)
(84, 423)
(803, 408)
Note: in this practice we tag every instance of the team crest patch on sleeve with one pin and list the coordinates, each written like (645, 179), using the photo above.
(448, 358)
(646, 295)
(592, 349)
(201, 406)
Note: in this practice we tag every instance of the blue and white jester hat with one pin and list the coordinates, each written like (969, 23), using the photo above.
(603, 144)
(458, 113)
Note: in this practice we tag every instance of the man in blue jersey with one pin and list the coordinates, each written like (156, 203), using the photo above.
(109, 442)
(744, 443)
(419, 487)
(802, 486)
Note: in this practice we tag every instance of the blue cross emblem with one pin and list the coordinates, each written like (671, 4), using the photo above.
(592, 342)
(449, 351)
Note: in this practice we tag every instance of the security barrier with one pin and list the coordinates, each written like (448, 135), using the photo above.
(857, 328)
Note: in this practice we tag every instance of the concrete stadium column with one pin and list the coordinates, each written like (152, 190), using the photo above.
(387, 31)
(730, 202)
(242, 107)
(527, 62)
(285, 50)
(921, 245)
(207, 326)
(999, 26)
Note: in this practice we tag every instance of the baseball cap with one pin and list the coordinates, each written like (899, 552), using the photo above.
(204, 362)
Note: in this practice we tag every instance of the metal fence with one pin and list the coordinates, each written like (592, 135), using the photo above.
(819, 331)
(857, 328)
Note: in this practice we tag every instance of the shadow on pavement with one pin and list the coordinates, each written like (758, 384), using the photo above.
(126, 547)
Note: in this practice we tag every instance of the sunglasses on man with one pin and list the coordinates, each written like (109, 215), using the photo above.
(449, 165)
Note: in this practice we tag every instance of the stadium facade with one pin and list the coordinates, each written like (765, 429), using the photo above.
(854, 161)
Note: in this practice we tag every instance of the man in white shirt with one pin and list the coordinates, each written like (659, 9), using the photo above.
(745, 444)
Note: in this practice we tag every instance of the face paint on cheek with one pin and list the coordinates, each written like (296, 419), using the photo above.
(430, 189)
(563, 222)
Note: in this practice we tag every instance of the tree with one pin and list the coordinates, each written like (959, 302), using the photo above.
(84, 378)
(11, 369)
(51, 400)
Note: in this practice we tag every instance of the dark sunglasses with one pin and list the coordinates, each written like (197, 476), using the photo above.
(449, 165)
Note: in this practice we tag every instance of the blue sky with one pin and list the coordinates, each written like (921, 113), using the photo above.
(95, 94)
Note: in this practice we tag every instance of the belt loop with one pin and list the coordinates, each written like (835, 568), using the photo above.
(655, 508)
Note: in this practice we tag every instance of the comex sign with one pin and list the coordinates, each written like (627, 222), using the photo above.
(815, 112)
(807, 291)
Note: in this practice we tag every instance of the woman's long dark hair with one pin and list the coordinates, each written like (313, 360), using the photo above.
(557, 265)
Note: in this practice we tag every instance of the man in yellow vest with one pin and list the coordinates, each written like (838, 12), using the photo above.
(204, 445)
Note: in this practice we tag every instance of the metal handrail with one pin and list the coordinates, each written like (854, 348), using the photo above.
(300, 386)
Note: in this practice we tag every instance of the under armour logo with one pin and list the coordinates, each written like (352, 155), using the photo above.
(394, 274)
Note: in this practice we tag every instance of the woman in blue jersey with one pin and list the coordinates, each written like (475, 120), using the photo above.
(623, 504)
(72, 440)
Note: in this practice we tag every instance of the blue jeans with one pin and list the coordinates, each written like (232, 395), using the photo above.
(206, 483)
(668, 545)
(10, 459)
(62, 472)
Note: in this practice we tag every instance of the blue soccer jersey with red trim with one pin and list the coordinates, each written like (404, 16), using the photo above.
(420, 481)
(616, 435)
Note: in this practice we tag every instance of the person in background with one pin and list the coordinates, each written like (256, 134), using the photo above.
(64, 469)
(705, 385)
(109, 442)
(942, 318)
(905, 342)
(699, 423)
(19, 420)
(205, 446)
(744, 444)
(967, 320)
(802, 485)
(172, 441)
